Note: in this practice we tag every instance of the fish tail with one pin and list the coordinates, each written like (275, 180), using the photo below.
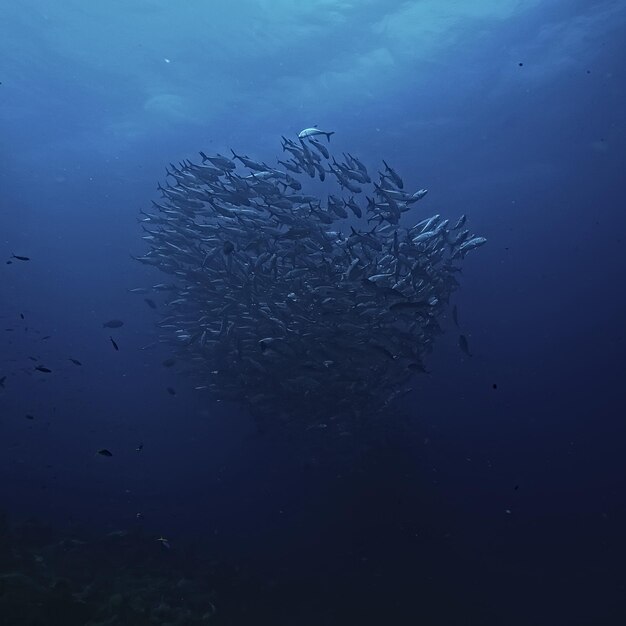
(332, 132)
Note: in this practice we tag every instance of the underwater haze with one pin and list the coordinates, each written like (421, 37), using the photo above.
(468, 471)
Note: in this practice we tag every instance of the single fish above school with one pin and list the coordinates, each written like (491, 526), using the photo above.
(313, 132)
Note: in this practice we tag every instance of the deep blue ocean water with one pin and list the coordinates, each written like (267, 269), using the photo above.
(468, 504)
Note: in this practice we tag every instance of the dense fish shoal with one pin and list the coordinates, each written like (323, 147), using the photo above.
(314, 308)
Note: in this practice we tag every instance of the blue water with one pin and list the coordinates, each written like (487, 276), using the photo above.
(470, 505)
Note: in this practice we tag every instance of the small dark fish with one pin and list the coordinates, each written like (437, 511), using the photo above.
(46, 337)
(164, 543)
(455, 315)
(9, 262)
(105, 452)
(408, 306)
(9, 330)
(171, 391)
(150, 303)
(494, 386)
(41, 368)
(113, 324)
(169, 362)
(22, 315)
(75, 361)
(139, 448)
(464, 345)
(30, 417)
(33, 358)
(2, 381)
(20, 258)
(114, 344)
(516, 487)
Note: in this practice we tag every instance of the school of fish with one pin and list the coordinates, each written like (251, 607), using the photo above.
(301, 305)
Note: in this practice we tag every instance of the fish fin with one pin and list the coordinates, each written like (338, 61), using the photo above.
(332, 132)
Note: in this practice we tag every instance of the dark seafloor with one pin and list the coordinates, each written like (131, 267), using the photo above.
(492, 494)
